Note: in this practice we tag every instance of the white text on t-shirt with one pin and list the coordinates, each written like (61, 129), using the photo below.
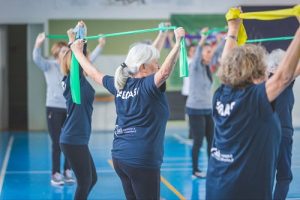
(127, 94)
(224, 110)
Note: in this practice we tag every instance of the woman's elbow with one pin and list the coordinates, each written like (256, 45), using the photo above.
(285, 79)
(165, 74)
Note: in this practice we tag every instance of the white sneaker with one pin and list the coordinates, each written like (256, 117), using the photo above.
(199, 174)
(57, 179)
(68, 178)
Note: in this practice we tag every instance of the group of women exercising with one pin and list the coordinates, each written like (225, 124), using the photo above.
(251, 113)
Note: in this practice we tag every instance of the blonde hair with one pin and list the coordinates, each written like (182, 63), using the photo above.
(138, 55)
(65, 63)
(243, 65)
(56, 47)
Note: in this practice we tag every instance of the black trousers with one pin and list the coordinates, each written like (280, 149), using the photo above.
(200, 125)
(83, 167)
(138, 183)
(55, 121)
(284, 175)
(190, 134)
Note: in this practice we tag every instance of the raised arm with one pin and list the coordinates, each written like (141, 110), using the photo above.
(97, 51)
(161, 37)
(203, 36)
(37, 57)
(286, 69)
(215, 60)
(170, 37)
(77, 48)
(297, 72)
(196, 59)
(167, 67)
(231, 38)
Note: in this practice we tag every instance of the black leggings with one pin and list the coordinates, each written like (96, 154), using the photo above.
(83, 166)
(138, 183)
(55, 121)
(200, 125)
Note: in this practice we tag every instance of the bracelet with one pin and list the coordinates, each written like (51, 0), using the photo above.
(233, 37)
(70, 44)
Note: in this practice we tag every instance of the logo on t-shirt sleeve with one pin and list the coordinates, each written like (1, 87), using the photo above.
(121, 131)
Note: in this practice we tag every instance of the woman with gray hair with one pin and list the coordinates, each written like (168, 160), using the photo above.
(142, 114)
(247, 130)
(283, 106)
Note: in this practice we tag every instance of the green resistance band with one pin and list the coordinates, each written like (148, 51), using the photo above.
(183, 63)
(270, 39)
(75, 65)
(216, 30)
(116, 34)
(75, 80)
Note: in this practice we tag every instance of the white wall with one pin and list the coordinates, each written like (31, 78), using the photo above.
(39, 11)
(3, 79)
(36, 86)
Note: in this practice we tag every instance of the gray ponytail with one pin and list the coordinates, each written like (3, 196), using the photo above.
(121, 76)
(138, 55)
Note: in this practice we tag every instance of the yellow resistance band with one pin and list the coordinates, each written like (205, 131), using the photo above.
(235, 13)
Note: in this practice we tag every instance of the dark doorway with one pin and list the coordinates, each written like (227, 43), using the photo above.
(17, 77)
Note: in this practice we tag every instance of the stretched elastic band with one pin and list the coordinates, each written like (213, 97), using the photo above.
(235, 13)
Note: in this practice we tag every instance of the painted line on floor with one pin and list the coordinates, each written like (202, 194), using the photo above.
(172, 188)
(183, 140)
(173, 164)
(177, 158)
(5, 162)
(110, 162)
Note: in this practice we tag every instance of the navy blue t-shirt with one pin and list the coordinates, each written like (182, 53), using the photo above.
(245, 144)
(77, 126)
(142, 114)
(284, 106)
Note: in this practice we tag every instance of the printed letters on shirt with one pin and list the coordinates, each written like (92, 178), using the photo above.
(224, 110)
(127, 94)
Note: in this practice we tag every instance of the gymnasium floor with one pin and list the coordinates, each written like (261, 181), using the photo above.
(25, 168)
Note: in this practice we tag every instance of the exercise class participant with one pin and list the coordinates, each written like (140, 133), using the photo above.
(55, 101)
(142, 114)
(247, 128)
(198, 104)
(76, 130)
(55, 104)
(283, 106)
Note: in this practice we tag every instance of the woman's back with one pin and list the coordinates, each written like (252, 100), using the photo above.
(142, 112)
(77, 126)
(245, 146)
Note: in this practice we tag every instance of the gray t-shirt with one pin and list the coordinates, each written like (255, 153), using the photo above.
(200, 94)
(53, 76)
